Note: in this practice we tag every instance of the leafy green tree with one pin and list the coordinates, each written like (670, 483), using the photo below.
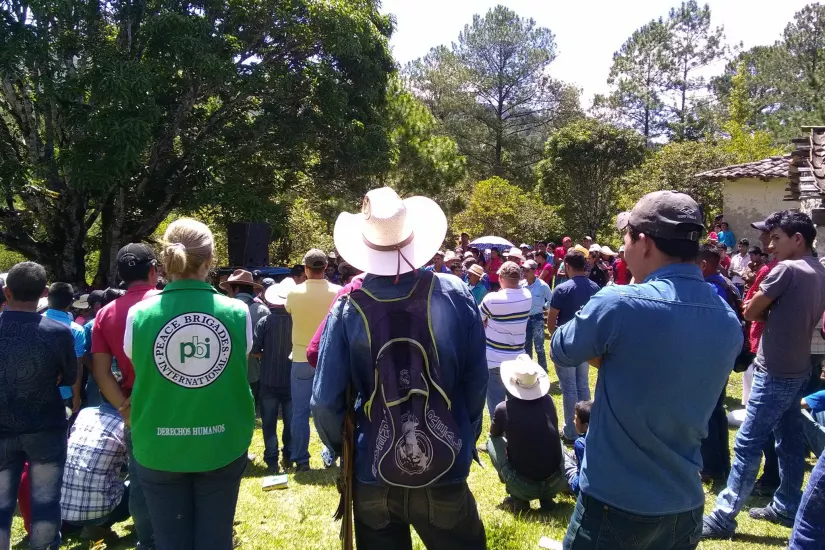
(639, 77)
(583, 169)
(492, 93)
(118, 114)
(497, 207)
(692, 44)
(674, 167)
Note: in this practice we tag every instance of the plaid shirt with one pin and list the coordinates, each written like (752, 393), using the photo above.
(757, 327)
(92, 484)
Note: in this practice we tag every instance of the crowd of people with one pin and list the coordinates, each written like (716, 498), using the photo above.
(108, 400)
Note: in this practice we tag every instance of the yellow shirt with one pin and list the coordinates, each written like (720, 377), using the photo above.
(308, 303)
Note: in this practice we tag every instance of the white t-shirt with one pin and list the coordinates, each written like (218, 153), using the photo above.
(505, 314)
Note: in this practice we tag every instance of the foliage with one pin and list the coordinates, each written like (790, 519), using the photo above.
(674, 167)
(582, 173)
(692, 45)
(744, 145)
(497, 207)
(421, 160)
(638, 76)
(123, 113)
(8, 258)
(492, 94)
(654, 75)
(306, 229)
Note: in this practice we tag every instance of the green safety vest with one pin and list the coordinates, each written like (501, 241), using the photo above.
(192, 409)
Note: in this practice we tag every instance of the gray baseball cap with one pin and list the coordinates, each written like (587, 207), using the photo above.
(664, 214)
(315, 259)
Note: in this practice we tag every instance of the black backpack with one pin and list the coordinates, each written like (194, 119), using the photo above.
(412, 436)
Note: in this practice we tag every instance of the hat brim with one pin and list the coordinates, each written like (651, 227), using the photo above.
(80, 304)
(429, 225)
(276, 294)
(622, 221)
(759, 226)
(225, 285)
(528, 394)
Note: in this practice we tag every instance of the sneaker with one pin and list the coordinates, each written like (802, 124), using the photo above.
(302, 467)
(769, 513)
(712, 531)
(547, 505)
(328, 457)
(286, 463)
(516, 504)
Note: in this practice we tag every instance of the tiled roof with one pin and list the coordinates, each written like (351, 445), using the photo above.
(807, 166)
(765, 169)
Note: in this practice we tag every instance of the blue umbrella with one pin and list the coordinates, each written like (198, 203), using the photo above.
(491, 242)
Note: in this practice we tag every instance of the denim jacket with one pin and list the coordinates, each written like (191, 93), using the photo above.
(667, 347)
(344, 358)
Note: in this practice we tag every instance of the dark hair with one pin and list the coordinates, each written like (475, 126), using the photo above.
(2, 294)
(551, 245)
(681, 249)
(61, 296)
(27, 281)
(710, 253)
(495, 250)
(792, 223)
(316, 270)
(244, 289)
(724, 223)
(575, 259)
(583, 411)
(755, 250)
(542, 254)
(111, 294)
(296, 271)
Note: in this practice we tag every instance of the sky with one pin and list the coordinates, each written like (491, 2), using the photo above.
(587, 34)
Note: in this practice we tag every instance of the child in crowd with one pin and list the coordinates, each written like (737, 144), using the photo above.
(581, 419)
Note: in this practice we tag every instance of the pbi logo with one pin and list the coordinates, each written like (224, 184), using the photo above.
(194, 349)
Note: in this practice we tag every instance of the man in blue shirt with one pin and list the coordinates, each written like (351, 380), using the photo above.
(726, 236)
(390, 240)
(37, 354)
(60, 301)
(541, 293)
(649, 340)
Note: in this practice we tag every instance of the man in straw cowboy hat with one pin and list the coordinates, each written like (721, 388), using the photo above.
(410, 345)
(524, 443)
(474, 275)
(241, 285)
(649, 339)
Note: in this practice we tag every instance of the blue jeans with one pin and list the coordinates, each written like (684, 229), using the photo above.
(597, 526)
(301, 379)
(46, 454)
(445, 517)
(773, 407)
(120, 513)
(517, 485)
(272, 400)
(193, 511)
(137, 502)
(574, 387)
(813, 430)
(535, 338)
(715, 447)
(808, 528)
(496, 393)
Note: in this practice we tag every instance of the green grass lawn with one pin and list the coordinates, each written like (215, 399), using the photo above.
(302, 513)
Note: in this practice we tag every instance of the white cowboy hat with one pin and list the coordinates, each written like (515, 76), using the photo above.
(515, 252)
(390, 236)
(595, 248)
(524, 379)
(606, 250)
(276, 294)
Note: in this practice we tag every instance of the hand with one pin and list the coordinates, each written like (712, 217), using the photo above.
(59, 378)
(125, 411)
(75, 403)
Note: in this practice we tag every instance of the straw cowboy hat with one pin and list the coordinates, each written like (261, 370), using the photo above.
(240, 277)
(607, 251)
(390, 236)
(524, 379)
(476, 270)
(515, 253)
(276, 294)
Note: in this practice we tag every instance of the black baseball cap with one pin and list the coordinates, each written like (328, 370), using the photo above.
(666, 215)
(132, 260)
(746, 242)
(95, 297)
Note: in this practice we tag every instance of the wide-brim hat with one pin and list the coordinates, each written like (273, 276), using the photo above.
(607, 251)
(82, 302)
(515, 253)
(240, 277)
(276, 294)
(476, 270)
(390, 236)
(524, 379)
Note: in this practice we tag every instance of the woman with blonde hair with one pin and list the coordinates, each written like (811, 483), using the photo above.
(192, 412)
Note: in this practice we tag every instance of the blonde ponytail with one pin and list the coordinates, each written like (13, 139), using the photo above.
(187, 245)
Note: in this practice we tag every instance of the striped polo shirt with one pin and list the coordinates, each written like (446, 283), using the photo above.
(505, 315)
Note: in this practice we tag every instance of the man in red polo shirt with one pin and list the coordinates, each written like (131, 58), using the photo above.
(136, 266)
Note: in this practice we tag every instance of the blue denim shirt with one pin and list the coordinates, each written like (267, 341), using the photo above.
(667, 347)
(541, 293)
(344, 358)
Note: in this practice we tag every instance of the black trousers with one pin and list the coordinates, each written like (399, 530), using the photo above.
(444, 516)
